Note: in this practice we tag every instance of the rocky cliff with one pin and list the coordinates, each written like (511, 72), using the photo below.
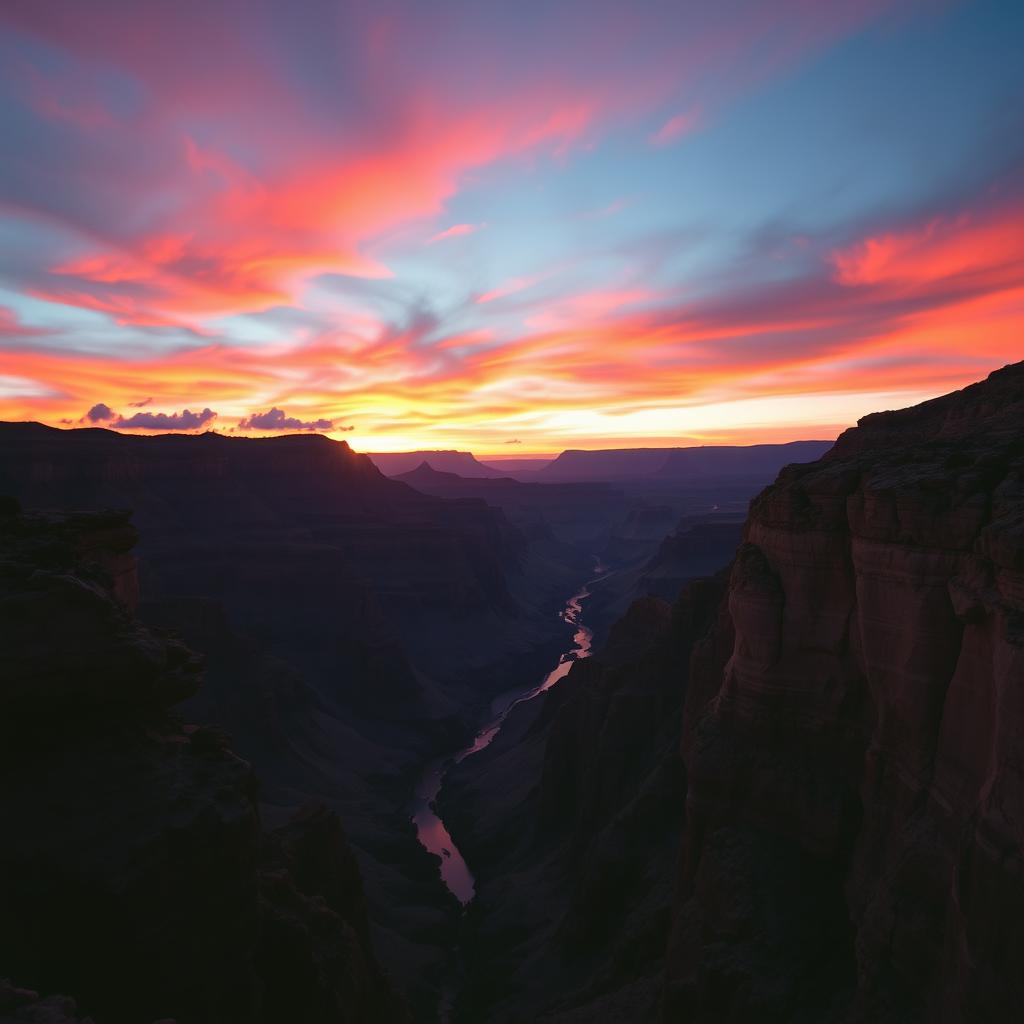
(214, 500)
(571, 821)
(580, 514)
(698, 546)
(306, 545)
(841, 840)
(854, 840)
(353, 626)
(134, 871)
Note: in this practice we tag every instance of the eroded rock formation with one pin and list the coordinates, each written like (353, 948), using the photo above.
(845, 826)
(854, 843)
(571, 818)
(134, 872)
(353, 627)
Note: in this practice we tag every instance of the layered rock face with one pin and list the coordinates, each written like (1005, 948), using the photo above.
(220, 515)
(844, 831)
(304, 544)
(571, 821)
(575, 513)
(353, 626)
(854, 841)
(697, 547)
(134, 872)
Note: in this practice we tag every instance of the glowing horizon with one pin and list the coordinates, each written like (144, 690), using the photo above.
(579, 225)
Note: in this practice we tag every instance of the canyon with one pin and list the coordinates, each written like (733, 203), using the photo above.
(781, 781)
(794, 793)
(352, 627)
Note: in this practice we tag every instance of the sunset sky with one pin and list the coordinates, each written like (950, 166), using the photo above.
(506, 227)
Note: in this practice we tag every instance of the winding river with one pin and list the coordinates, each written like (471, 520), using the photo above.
(430, 829)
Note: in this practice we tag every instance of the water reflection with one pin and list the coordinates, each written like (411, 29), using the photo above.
(430, 829)
(500, 707)
(434, 836)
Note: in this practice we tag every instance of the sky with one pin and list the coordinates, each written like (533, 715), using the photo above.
(509, 228)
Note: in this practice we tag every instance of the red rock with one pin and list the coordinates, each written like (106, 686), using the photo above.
(855, 814)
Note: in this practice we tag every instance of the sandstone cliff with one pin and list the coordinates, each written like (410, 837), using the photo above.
(855, 812)
(134, 872)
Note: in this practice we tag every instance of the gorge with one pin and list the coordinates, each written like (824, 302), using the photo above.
(847, 804)
(781, 785)
(511, 513)
(431, 830)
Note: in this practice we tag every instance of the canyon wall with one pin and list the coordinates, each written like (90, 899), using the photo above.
(571, 821)
(854, 838)
(135, 873)
(353, 627)
(797, 794)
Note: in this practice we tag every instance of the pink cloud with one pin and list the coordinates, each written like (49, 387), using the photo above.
(455, 231)
(972, 247)
(510, 287)
(12, 327)
(589, 307)
(676, 127)
(301, 181)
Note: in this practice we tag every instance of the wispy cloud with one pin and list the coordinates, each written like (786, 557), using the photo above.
(511, 287)
(676, 127)
(273, 223)
(455, 231)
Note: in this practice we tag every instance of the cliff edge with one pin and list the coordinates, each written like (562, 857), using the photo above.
(797, 794)
(854, 838)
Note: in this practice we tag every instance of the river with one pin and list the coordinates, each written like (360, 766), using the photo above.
(430, 829)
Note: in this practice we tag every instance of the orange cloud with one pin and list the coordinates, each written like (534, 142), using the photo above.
(885, 322)
(313, 172)
(587, 308)
(242, 243)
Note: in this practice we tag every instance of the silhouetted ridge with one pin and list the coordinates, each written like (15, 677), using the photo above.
(446, 461)
(993, 407)
(707, 462)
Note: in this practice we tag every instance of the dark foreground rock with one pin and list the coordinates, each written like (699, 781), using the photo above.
(134, 873)
(24, 1006)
